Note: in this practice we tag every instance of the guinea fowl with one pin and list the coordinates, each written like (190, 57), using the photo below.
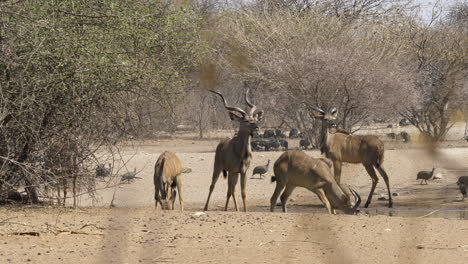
(425, 175)
(102, 171)
(130, 176)
(261, 170)
(463, 184)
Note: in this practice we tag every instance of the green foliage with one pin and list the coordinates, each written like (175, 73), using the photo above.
(79, 69)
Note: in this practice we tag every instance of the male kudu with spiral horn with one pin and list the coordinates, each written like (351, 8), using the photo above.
(233, 156)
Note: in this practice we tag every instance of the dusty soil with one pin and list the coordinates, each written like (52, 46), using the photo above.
(128, 235)
(429, 225)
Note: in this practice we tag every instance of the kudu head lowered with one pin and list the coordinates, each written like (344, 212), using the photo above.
(247, 120)
(168, 195)
(352, 208)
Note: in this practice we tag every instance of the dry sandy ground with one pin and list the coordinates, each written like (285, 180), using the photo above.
(125, 235)
(134, 232)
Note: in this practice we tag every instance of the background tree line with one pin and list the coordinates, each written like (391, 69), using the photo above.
(78, 77)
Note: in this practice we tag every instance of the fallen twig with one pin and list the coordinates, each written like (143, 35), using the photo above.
(301, 241)
(21, 234)
(423, 247)
(86, 225)
(85, 233)
(429, 213)
(56, 232)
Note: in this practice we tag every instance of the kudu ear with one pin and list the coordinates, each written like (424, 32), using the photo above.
(235, 116)
(317, 113)
(334, 112)
(258, 115)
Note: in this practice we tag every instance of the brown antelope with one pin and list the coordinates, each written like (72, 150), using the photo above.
(340, 146)
(168, 176)
(295, 168)
(233, 155)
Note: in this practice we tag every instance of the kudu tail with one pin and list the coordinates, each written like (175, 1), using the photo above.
(380, 156)
(225, 174)
(159, 174)
(273, 179)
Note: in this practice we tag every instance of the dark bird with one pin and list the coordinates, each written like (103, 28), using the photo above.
(261, 170)
(129, 176)
(284, 143)
(102, 171)
(462, 184)
(304, 143)
(425, 175)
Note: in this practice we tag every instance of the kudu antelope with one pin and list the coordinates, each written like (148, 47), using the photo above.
(233, 155)
(340, 146)
(295, 168)
(168, 176)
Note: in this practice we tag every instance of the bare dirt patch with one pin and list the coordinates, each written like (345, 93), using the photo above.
(134, 232)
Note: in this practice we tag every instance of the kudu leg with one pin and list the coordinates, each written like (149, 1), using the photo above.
(384, 175)
(157, 195)
(243, 186)
(333, 209)
(216, 173)
(158, 200)
(285, 196)
(279, 188)
(179, 190)
(321, 194)
(370, 170)
(232, 182)
(173, 198)
(337, 170)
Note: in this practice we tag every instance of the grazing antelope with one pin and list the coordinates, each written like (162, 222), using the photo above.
(167, 176)
(295, 168)
(233, 155)
(340, 146)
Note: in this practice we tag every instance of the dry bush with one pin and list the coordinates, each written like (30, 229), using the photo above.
(293, 61)
(437, 54)
(76, 77)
